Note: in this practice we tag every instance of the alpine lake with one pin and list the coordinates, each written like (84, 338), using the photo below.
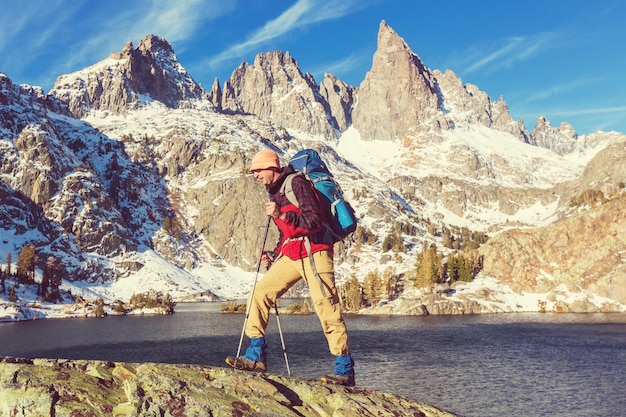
(512, 364)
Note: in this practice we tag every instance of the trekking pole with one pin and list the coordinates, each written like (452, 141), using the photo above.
(256, 276)
(282, 341)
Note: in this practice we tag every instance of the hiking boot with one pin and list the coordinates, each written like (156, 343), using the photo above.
(246, 364)
(346, 381)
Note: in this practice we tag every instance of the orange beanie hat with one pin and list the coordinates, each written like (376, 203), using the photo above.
(265, 159)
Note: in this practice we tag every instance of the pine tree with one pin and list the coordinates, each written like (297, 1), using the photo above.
(474, 263)
(465, 269)
(430, 269)
(373, 288)
(388, 243)
(26, 264)
(393, 242)
(398, 245)
(362, 235)
(352, 296)
(45, 281)
(52, 277)
(453, 267)
(446, 238)
(420, 255)
(118, 307)
(167, 304)
(464, 265)
(8, 271)
(389, 282)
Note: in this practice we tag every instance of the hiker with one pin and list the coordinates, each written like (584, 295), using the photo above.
(288, 263)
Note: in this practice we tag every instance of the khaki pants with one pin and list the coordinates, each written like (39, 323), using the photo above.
(284, 274)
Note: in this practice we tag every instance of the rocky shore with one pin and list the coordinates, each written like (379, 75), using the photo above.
(59, 388)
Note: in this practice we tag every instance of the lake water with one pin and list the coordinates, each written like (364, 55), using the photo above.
(480, 365)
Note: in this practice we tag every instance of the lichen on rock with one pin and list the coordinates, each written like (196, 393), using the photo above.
(59, 387)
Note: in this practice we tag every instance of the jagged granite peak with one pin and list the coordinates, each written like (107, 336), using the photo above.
(274, 89)
(215, 96)
(411, 103)
(502, 120)
(561, 140)
(603, 177)
(466, 104)
(340, 99)
(127, 78)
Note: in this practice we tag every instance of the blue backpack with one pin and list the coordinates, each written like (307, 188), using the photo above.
(340, 217)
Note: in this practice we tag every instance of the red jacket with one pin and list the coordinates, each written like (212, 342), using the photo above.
(306, 220)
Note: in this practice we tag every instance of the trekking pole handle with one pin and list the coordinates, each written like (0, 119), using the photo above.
(267, 258)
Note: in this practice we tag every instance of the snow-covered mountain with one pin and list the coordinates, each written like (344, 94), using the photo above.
(135, 177)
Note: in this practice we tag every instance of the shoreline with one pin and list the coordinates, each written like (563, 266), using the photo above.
(11, 312)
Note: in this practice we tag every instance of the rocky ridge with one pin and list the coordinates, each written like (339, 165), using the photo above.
(49, 387)
(550, 259)
(466, 105)
(119, 83)
(274, 89)
(340, 98)
(561, 139)
(583, 251)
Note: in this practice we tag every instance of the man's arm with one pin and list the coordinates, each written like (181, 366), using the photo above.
(309, 220)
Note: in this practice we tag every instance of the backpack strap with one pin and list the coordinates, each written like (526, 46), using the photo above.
(287, 189)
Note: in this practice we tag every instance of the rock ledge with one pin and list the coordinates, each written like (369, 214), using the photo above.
(58, 387)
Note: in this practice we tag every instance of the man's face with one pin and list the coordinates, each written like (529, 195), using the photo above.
(265, 176)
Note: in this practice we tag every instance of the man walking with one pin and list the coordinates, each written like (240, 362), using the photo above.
(299, 226)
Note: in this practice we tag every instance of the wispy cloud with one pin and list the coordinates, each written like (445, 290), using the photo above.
(515, 49)
(15, 21)
(174, 21)
(30, 33)
(556, 90)
(596, 110)
(44, 27)
(301, 14)
(178, 20)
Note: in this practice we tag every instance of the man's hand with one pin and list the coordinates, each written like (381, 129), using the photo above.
(271, 209)
(266, 259)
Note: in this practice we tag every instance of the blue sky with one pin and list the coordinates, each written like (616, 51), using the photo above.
(564, 59)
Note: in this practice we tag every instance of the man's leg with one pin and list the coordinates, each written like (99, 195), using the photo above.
(328, 310)
(280, 277)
